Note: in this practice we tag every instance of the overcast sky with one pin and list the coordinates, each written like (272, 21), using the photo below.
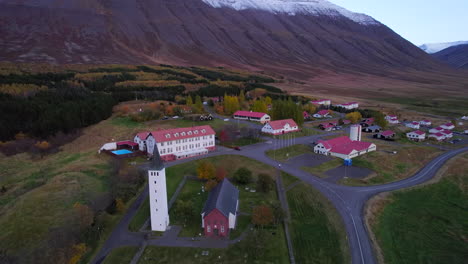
(419, 21)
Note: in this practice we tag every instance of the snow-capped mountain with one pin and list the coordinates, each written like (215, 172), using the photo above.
(436, 47)
(293, 7)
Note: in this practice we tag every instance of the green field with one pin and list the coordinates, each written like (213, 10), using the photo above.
(390, 167)
(427, 224)
(122, 255)
(317, 233)
(283, 154)
(452, 107)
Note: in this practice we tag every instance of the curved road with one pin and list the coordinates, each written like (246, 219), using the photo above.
(349, 201)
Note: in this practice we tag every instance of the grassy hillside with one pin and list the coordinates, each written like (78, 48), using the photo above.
(427, 224)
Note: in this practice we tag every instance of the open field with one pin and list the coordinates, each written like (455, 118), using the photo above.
(390, 167)
(317, 232)
(283, 154)
(122, 255)
(426, 224)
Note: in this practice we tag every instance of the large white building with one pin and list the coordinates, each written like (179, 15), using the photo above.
(343, 147)
(280, 127)
(178, 143)
(416, 135)
(158, 193)
(252, 116)
(324, 102)
(349, 106)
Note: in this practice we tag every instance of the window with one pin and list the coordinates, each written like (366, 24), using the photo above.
(203, 131)
(154, 182)
(195, 132)
(222, 229)
(208, 228)
(189, 133)
(157, 174)
(183, 133)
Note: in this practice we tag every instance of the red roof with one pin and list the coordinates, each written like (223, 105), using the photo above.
(419, 132)
(350, 103)
(415, 123)
(249, 114)
(446, 132)
(438, 135)
(344, 145)
(448, 124)
(143, 135)
(438, 128)
(130, 143)
(387, 133)
(322, 112)
(182, 133)
(279, 124)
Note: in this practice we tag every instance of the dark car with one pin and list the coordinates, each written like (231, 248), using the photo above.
(237, 148)
(165, 118)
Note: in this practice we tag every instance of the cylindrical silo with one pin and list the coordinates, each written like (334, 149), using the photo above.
(355, 133)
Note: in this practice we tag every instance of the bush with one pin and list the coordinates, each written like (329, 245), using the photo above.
(243, 176)
(264, 183)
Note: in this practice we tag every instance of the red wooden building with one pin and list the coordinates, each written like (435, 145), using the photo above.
(220, 211)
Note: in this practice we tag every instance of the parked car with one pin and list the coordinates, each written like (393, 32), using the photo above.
(237, 148)
(165, 118)
(175, 117)
(226, 119)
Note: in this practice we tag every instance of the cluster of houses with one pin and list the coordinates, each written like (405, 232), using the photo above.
(345, 147)
(438, 133)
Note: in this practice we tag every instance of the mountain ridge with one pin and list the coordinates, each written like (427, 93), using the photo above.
(456, 56)
(436, 47)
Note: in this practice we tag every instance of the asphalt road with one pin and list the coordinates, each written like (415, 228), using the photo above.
(349, 201)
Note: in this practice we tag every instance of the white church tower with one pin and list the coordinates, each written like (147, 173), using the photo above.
(158, 193)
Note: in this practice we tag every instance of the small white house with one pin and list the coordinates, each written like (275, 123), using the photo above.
(322, 114)
(252, 116)
(425, 122)
(447, 133)
(108, 146)
(435, 130)
(280, 127)
(414, 125)
(416, 135)
(392, 119)
(141, 139)
(466, 131)
(437, 136)
(449, 126)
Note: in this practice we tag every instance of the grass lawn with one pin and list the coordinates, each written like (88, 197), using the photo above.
(190, 192)
(392, 167)
(449, 106)
(243, 222)
(140, 217)
(122, 255)
(283, 154)
(288, 179)
(324, 167)
(302, 133)
(317, 233)
(273, 250)
(427, 224)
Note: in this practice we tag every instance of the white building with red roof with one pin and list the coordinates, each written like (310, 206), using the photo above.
(322, 114)
(349, 106)
(325, 102)
(414, 125)
(180, 143)
(416, 135)
(392, 119)
(435, 130)
(387, 134)
(343, 147)
(280, 127)
(449, 126)
(437, 136)
(425, 122)
(252, 116)
(447, 133)
(141, 139)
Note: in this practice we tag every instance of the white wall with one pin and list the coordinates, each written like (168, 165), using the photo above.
(158, 200)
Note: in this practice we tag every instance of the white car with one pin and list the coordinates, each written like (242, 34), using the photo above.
(175, 117)
(226, 119)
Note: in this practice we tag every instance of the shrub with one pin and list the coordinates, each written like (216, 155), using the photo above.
(243, 176)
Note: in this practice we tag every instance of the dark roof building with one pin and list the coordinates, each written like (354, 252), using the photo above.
(220, 210)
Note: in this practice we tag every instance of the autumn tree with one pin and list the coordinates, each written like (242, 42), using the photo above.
(78, 251)
(264, 183)
(220, 173)
(210, 184)
(380, 121)
(42, 146)
(309, 108)
(284, 109)
(354, 117)
(119, 205)
(189, 100)
(259, 106)
(243, 175)
(231, 104)
(241, 97)
(262, 215)
(205, 170)
(198, 104)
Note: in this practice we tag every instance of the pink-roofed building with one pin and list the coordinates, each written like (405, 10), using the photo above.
(322, 114)
(349, 106)
(141, 139)
(425, 122)
(416, 135)
(252, 116)
(324, 102)
(437, 136)
(414, 125)
(392, 119)
(343, 147)
(449, 126)
(447, 133)
(435, 130)
(327, 126)
(346, 122)
(180, 143)
(280, 127)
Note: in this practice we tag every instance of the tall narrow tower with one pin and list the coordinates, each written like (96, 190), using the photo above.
(158, 193)
(355, 133)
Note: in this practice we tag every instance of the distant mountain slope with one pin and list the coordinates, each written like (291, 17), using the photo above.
(436, 47)
(456, 56)
(297, 38)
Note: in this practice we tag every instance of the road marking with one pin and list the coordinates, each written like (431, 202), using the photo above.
(358, 239)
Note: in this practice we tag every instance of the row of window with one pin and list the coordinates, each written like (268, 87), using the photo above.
(186, 140)
(208, 229)
(154, 173)
(183, 133)
(186, 147)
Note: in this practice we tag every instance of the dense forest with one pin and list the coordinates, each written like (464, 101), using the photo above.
(42, 103)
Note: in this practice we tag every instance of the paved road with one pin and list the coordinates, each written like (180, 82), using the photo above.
(349, 201)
